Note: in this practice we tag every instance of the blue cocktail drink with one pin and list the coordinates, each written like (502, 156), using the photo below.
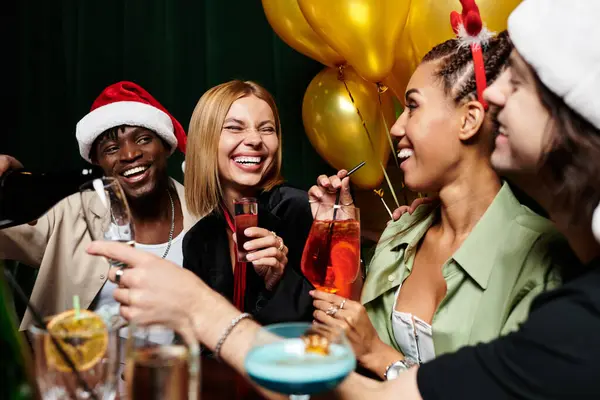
(284, 367)
(281, 363)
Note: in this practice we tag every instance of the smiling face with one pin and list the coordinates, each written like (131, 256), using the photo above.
(136, 156)
(427, 132)
(520, 143)
(248, 144)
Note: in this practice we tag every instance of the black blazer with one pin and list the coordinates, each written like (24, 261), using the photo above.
(283, 210)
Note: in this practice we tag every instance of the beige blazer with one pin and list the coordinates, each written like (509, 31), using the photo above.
(56, 245)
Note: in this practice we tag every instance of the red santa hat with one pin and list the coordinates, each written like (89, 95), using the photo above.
(126, 103)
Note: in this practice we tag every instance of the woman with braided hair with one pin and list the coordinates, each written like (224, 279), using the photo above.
(464, 268)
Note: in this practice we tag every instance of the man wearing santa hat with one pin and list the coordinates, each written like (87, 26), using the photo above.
(130, 136)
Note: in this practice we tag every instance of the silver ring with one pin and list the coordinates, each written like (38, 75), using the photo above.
(342, 304)
(332, 310)
(118, 275)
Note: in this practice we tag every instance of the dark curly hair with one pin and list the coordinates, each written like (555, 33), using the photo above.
(456, 65)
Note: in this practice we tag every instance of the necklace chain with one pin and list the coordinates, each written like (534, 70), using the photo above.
(172, 224)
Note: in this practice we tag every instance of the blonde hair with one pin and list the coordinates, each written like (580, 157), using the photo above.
(203, 191)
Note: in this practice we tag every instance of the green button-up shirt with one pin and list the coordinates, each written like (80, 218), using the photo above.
(491, 279)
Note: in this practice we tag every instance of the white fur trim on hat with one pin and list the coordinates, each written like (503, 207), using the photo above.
(560, 39)
(596, 223)
(119, 113)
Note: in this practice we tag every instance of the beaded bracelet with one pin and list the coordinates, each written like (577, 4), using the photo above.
(226, 333)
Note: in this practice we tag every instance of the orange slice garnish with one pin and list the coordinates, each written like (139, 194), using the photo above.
(83, 338)
(315, 343)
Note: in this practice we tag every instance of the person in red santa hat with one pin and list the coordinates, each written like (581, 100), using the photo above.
(130, 135)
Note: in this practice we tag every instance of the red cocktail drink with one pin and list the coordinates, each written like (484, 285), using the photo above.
(246, 216)
(242, 222)
(331, 258)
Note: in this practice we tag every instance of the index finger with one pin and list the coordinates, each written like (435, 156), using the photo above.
(330, 297)
(342, 173)
(257, 232)
(120, 252)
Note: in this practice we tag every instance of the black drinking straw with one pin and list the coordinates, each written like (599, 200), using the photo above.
(40, 321)
(337, 197)
(335, 208)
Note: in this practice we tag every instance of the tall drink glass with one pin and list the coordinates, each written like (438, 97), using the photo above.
(331, 258)
(157, 368)
(246, 216)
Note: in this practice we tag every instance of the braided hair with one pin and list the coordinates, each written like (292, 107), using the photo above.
(456, 65)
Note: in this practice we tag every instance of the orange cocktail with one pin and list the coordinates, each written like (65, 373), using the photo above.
(331, 258)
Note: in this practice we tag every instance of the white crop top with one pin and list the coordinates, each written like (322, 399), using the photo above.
(413, 335)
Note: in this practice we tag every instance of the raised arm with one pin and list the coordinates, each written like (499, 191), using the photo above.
(156, 290)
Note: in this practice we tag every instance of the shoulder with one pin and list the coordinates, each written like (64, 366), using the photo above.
(522, 215)
(71, 206)
(285, 199)
(407, 224)
(206, 225)
(548, 256)
(285, 194)
(528, 219)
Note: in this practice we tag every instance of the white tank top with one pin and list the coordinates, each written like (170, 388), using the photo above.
(413, 335)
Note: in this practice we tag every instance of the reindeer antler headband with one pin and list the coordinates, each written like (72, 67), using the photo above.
(471, 32)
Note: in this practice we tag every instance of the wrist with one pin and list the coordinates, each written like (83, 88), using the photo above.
(209, 317)
(380, 357)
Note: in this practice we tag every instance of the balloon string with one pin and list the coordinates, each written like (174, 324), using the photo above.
(382, 89)
(364, 124)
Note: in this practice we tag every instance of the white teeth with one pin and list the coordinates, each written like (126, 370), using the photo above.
(135, 170)
(405, 153)
(247, 160)
(501, 130)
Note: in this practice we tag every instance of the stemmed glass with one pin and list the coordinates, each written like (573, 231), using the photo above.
(106, 212)
(299, 359)
(331, 257)
(108, 217)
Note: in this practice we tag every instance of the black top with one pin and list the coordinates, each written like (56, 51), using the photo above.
(283, 210)
(554, 355)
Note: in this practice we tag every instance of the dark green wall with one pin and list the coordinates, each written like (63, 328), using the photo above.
(67, 51)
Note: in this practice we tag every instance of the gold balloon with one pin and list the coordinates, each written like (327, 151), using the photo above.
(287, 21)
(364, 32)
(403, 69)
(428, 25)
(336, 131)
